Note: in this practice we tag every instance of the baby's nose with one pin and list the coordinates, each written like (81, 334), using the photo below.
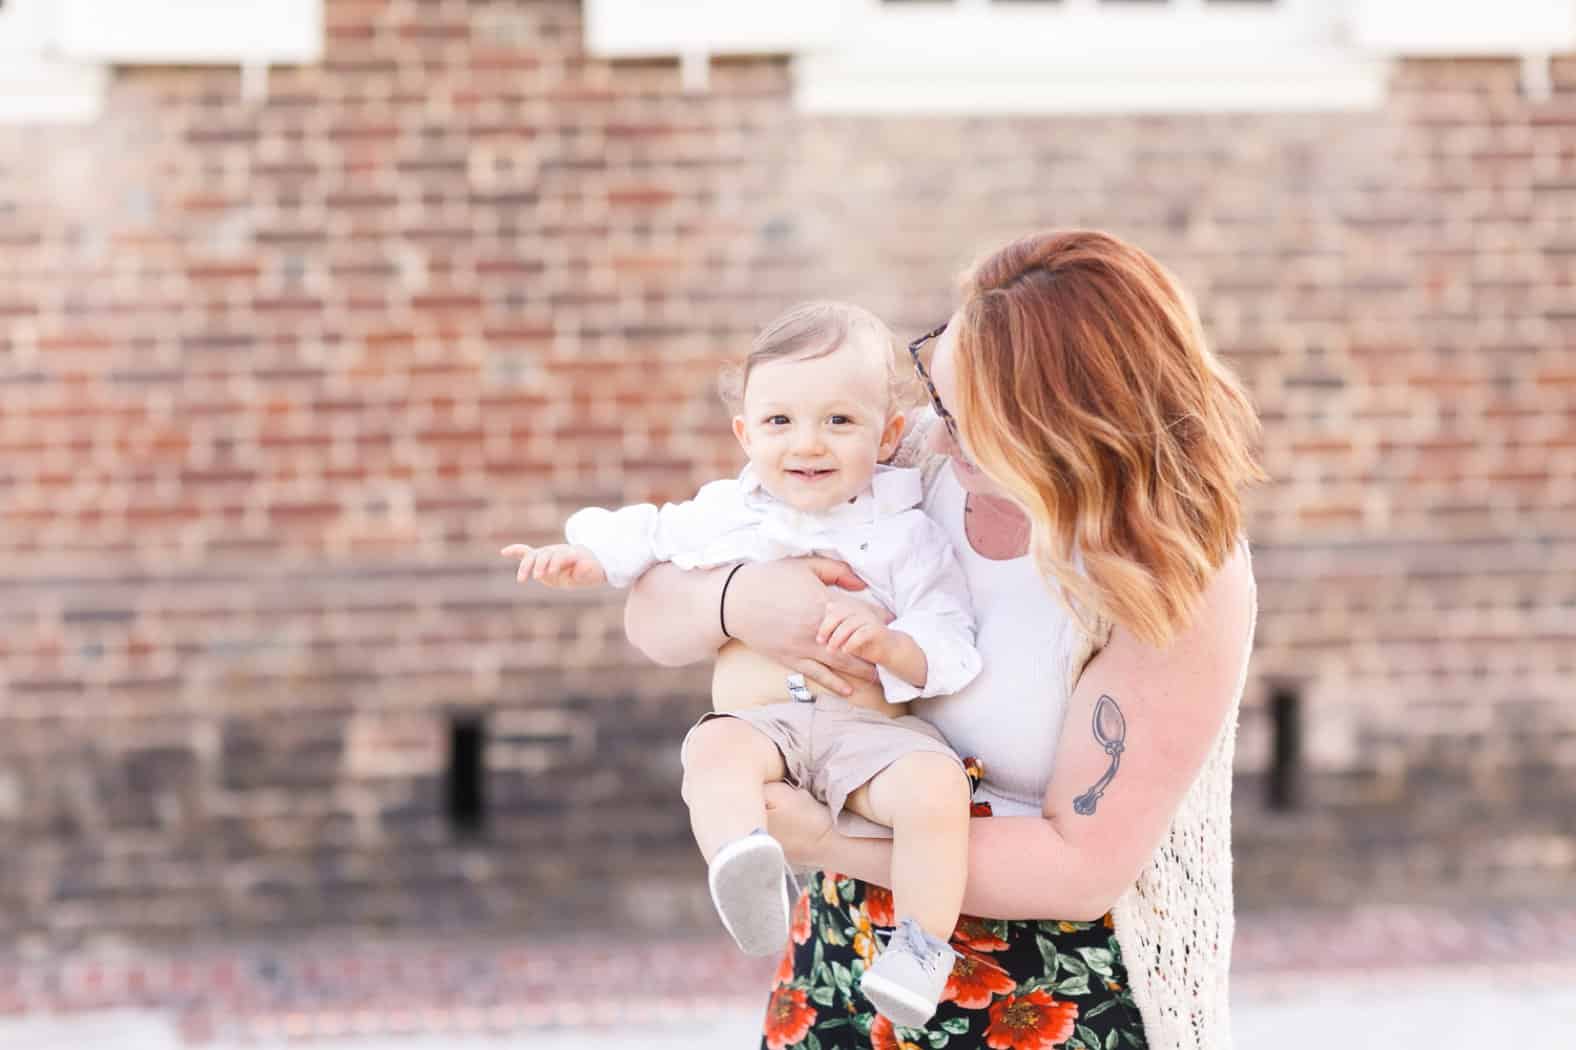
(808, 439)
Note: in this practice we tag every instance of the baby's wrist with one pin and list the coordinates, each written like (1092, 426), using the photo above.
(903, 657)
(886, 645)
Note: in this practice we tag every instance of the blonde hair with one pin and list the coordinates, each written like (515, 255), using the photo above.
(1086, 390)
(816, 329)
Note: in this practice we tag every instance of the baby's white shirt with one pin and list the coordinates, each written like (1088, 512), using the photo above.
(904, 557)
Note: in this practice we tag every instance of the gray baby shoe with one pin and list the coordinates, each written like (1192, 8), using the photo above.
(750, 892)
(908, 977)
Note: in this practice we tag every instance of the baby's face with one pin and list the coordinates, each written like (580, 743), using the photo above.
(815, 428)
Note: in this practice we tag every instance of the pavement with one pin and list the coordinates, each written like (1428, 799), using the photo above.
(1440, 979)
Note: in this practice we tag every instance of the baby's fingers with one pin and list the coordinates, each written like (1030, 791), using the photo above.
(527, 565)
(864, 636)
(551, 566)
(515, 550)
(835, 615)
(839, 637)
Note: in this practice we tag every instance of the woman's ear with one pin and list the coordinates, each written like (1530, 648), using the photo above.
(891, 437)
(742, 432)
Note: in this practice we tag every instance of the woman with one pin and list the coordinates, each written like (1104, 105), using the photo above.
(1093, 451)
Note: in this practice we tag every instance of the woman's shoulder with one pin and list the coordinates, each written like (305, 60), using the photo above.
(1214, 645)
(1234, 590)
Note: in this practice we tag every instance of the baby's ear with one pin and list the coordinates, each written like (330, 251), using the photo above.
(741, 432)
(891, 437)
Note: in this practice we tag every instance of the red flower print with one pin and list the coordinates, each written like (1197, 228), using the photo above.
(801, 919)
(980, 809)
(884, 1037)
(878, 905)
(975, 981)
(784, 972)
(1030, 1022)
(864, 939)
(973, 933)
(788, 1017)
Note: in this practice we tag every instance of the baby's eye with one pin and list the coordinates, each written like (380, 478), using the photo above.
(840, 421)
(777, 420)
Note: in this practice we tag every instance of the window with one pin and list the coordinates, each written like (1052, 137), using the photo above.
(1505, 27)
(23, 26)
(1083, 56)
(54, 53)
(694, 30)
(192, 31)
(36, 84)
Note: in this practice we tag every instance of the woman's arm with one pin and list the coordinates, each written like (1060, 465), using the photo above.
(775, 608)
(1075, 860)
(671, 614)
(1008, 858)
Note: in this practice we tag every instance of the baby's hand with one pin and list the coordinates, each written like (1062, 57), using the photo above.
(560, 565)
(856, 628)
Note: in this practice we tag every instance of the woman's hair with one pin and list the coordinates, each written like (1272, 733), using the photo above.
(812, 330)
(1085, 388)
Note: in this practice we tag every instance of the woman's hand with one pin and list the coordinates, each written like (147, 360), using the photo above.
(800, 823)
(776, 608)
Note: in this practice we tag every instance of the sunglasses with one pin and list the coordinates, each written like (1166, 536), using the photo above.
(930, 385)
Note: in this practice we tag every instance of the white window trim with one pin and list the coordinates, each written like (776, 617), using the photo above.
(1535, 30)
(1503, 27)
(54, 54)
(36, 85)
(1078, 56)
(204, 32)
(694, 30)
(659, 28)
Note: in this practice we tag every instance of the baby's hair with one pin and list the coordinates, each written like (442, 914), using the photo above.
(812, 330)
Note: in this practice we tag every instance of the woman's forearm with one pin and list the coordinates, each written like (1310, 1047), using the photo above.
(671, 614)
(1045, 877)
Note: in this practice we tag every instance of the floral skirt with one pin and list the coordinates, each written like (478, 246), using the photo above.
(1021, 985)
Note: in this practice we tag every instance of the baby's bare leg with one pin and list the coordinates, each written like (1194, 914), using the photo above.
(924, 798)
(727, 765)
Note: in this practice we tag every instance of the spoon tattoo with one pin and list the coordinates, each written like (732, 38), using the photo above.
(1110, 729)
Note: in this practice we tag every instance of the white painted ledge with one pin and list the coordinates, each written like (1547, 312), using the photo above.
(39, 91)
(1085, 83)
(192, 31)
(1429, 27)
(647, 28)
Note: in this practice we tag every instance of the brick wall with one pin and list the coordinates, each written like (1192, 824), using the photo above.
(279, 379)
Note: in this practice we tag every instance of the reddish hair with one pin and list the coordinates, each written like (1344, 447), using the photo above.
(1086, 390)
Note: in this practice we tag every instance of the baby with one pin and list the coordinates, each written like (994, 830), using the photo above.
(818, 410)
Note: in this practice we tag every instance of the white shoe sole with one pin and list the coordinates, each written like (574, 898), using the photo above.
(896, 1003)
(750, 894)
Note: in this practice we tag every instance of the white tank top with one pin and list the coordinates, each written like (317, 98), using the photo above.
(1175, 923)
(1010, 716)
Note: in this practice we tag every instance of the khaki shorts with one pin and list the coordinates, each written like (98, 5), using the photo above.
(832, 748)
